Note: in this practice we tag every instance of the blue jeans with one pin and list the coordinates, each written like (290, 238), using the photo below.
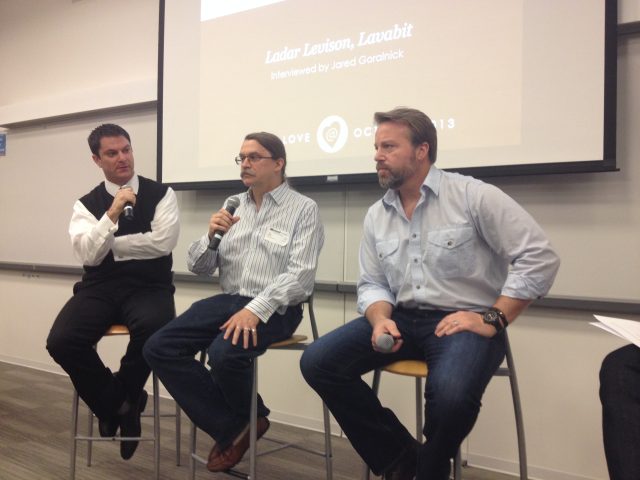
(620, 397)
(460, 367)
(218, 399)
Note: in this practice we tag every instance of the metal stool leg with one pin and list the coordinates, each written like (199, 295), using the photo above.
(178, 433)
(457, 466)
(253, 422)
(193, 435)
(156, 426)
(74, 432)
(419, 409)
(327, 442)
(375, 386)
(517, 408)
(90, 417)
(192, 451)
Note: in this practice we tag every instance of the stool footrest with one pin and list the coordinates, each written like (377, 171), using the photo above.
(113, 439)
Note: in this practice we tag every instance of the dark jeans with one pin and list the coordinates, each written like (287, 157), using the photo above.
(620, 396)
(460, 367)
(216, 400)
(81, 324)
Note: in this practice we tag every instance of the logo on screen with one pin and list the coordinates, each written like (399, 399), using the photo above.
(332, 134)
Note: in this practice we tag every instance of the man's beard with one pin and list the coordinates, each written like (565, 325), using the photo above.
(392, 180)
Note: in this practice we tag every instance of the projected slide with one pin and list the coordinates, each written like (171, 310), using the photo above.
(492, 75)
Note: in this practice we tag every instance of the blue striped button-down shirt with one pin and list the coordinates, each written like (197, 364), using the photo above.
(270, 255)
(467, 243)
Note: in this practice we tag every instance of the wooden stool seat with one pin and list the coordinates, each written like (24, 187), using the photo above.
(116, 330)
(289, 341)
(409, 368)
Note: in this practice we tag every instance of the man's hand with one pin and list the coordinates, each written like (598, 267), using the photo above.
(389, 327)
(243, 323)
(123, 196)
(222, 221)
(461, 321)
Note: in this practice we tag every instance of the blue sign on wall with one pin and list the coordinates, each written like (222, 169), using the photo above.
(3, 144)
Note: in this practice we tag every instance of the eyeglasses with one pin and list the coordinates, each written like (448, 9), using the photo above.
(252, 157)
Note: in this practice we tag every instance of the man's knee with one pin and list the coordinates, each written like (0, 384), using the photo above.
(152, 348)
(57, 346)
(310, 365)
(60, 345)
(611, 375)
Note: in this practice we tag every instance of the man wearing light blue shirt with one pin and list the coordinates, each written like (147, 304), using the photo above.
(446, 263)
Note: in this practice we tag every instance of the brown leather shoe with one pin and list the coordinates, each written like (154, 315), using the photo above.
(229, 458)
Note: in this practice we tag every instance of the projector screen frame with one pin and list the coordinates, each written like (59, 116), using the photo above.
(606, 164)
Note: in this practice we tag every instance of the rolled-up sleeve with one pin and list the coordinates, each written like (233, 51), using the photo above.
(513, 234)
(201, 260)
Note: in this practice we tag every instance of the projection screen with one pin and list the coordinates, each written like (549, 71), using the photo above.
(513, 87)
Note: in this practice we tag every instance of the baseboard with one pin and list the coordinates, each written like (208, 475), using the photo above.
(513, 468)
(22, 362)
(306, 423)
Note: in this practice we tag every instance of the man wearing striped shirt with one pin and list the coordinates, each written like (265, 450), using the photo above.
(267, 261)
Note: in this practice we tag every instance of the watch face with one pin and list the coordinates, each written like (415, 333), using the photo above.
(490, 317)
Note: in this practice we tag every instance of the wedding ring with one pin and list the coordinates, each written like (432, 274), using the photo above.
(455, 322)
(253, 330)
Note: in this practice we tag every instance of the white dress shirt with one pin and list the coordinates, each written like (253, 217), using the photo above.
(93, 238)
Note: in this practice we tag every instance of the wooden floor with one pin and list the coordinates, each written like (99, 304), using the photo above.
(35, 410)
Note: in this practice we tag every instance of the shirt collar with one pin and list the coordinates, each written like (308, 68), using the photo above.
(432, 182)
(277, 193)
(113, 188)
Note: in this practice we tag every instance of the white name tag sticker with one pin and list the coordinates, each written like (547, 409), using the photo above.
(277, 236)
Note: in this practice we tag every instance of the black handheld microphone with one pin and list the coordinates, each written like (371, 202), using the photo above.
(385, 343)
(128, 211)
(128, 207)
(232, 204)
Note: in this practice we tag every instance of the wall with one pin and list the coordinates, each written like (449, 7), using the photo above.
(590, 218)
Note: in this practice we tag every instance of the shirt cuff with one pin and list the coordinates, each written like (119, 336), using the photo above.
(121, 246)
(368, 297)
(518, 287)
(106, 227)
(261, 307)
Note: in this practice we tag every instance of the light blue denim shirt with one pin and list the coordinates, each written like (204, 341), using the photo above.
(466, 243)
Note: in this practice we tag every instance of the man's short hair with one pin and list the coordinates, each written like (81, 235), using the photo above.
(105, 130)
(421, 127)
(273, 144)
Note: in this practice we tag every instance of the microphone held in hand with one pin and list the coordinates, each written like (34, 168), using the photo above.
(385, 343)
(232, 204)
(128, 211)
(128, 207)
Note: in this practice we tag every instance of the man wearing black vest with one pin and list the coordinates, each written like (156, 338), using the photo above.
(123, 232)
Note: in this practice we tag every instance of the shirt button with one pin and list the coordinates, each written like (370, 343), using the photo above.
(415, 260)
(414, 235)
(450, 243)
(417, 287)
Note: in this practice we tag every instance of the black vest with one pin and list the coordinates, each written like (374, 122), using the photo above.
(153, 272)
